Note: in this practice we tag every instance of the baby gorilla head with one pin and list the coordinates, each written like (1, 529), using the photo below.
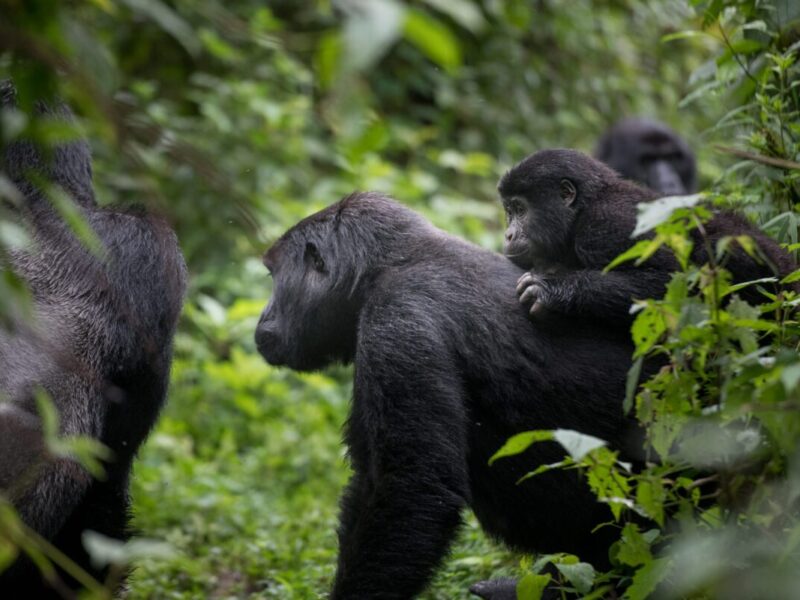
(541, 196)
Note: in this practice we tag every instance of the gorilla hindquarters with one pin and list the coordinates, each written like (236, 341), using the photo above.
(447, 368)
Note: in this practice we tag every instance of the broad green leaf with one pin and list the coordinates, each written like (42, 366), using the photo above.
(647, 579)
(531, 586)
(650, 495)
(580, 575)
(652, 214)
(634, 550)
(433, 38)
(647, 329)
(577, 444)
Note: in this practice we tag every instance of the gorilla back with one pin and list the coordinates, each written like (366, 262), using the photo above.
(447, 368)
(99, 344)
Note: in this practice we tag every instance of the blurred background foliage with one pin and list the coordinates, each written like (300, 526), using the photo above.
(235, 119)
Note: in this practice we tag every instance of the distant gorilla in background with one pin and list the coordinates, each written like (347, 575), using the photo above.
(650, 153)
(99, 344)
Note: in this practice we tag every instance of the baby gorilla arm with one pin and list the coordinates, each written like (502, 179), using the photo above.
(590, 293)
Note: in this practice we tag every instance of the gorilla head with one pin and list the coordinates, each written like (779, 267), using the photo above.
(321, 268)
(650, 153)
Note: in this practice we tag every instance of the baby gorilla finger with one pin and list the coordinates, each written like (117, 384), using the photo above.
(531, 294)
(523, 282)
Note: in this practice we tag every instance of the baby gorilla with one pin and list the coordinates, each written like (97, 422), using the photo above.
(569, 216)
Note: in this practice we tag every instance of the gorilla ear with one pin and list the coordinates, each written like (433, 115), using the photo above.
(568, 191)
(313, 258)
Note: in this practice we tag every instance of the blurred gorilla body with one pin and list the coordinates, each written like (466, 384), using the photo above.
(447, 368)
(569, 216)
(649, 153)
(98, 344)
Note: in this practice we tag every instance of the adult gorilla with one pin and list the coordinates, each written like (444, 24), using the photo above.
(447, 368)
(99, 344)
(649, 153)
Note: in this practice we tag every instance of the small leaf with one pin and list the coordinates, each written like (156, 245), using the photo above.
(647, 579)
(632, 384)
(639, 250)
(792, 277)
(580, 575)
(577, 444)
(658, 211)
(545, 468)
(517, 444)
(634, 550)
(532, 586)
(650, 495)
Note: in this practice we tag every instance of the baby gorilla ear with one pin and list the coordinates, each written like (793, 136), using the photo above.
(313, 258)
(568, 191)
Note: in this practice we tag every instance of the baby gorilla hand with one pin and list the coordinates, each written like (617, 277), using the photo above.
(536, 290)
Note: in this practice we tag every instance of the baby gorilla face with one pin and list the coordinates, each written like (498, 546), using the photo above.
(517, 244)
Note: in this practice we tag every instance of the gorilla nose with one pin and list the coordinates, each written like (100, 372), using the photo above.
(665, 179)
(509, 236)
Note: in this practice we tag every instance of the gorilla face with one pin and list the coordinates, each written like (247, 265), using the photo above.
(650, 153)
(541, 196)
(310, 319)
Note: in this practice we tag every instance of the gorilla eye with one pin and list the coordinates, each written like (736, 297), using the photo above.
(314, 258)
(515, 208)
(567, 191)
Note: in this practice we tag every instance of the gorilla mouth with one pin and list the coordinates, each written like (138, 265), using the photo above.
(521, 259)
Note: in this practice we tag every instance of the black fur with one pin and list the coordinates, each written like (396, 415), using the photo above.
(447, 368)
(650, 153)
(99, 344)
(569, 216)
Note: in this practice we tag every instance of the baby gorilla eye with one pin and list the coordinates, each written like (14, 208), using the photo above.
(515, 208)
